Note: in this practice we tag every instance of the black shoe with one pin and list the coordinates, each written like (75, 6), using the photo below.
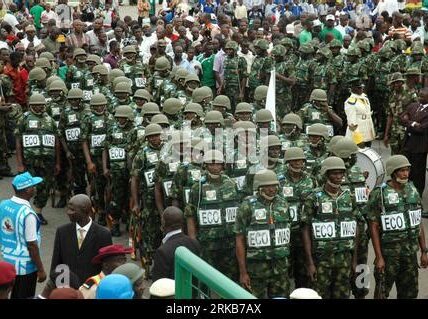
(62, 202)
(102, 220)
(115, 230)
(43, 221)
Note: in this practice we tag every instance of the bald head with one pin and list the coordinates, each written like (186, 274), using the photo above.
(79, 209)
(81, 201)
(172, 218)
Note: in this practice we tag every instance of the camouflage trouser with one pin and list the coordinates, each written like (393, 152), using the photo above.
(379, 106)
(283, 103)
(61, 180)
(333, 273)
(78, 168)
(403, 271)
(233, 94)
(269, 278)
(119, 193)
(98, 183)
(151, 232)
(42, 167)
(298, 265)
(362, 253)
(396, 142)
(222, 260)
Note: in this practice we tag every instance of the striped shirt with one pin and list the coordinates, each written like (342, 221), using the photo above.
(402, 31)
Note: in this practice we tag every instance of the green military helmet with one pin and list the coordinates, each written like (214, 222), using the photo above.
(115, 73)
(262, 44)
(418, 50)
(353, 51)
(98, 99)
(191, 77)
(58, 85)
(244, 126)
(150, 108)
(202, 93)
(364, 45)
(273, 140)
(286, 42)
(75, 93)
(213, 156)
(396, 77)
(260, 93)
(100, 69)
(160, 119)
(243, 107)
(37, 74)
(396, 162)
(181, 74)
(400, 45)
(306, 48)
(333, 142)
(124, 111)
(94, 58)
(332, 163)
(263, 116)
(152, 129)
(265, 177)
(123, 87)
(194, 108)
(344, 148)
(143, 94)
(37, 99)
(335, 44)
(214, 117)
(172, 106)
(413, 71)
(162, 64)
(222, 100)
(278, 50)
(129, 49)
(292, 118)
(325, 52)
(78, 51)
(231, 45)
(318, 95)
(51, 79)
(385, 52)
(294, 153)
(43, 63)
(47, 55)
(121, 79)
(318, 129)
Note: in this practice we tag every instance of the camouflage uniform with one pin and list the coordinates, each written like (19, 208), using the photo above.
(259, 69)
(283, 94)
(81, 78)
(234, 71)
(137, 72)
(186, 176)
(314, 158)
(311, 114)
(324, 73)
(305, 68)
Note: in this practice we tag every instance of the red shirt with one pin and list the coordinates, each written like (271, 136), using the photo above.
(19, 78)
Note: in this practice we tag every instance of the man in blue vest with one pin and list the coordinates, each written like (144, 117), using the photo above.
(20, 236)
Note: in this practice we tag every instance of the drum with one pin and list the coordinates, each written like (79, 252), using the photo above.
(370, 161)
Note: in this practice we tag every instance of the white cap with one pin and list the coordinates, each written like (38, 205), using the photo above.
(289, 28)
(190, 19)
(316, 23)
(163, 288)
(304, 293)
(330, 17)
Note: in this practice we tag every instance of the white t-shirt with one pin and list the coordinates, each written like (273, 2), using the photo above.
(11, 20)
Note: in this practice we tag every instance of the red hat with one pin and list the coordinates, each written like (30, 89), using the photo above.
(65, 293)
(7, 273)
(112, 250)
(10, 38)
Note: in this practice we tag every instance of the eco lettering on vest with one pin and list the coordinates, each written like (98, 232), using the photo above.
(258, 238)
(231, 214)
(48, 140)
(167, 187)
(210, 217)
(173, 167)
(240, 181)
(361, 195)
(117, 153)
(393, 222)
(294, 213)
(348, 229)
(72, 134)
(415, 217)
(148, 175)
(140, 82)
(97, 140)
(30, 140)
(282, 236)
(324, 230)
(87, 95)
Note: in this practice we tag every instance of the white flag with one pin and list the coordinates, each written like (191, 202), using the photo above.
(270, 98)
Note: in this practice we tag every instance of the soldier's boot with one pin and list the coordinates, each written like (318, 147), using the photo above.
(102, 219)
(115, 229)
(62, 202)
(42, 219)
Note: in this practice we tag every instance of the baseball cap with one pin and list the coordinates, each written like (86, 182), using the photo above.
(304, 293)
(289, 28)
(25, 180)
(130, 270)
(330, 17)
(163, 288)
(316, 23)
(7, 273)
(190, 19)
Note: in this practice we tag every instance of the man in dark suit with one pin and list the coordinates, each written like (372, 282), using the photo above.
(172, 222)
(415, 119)
(78, 242)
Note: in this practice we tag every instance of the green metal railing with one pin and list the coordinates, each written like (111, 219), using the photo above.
(196, 279)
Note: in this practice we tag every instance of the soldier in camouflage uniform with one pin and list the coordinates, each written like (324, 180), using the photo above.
(296, 185)
(211, 214)
(140, 98)
(337, 63)
(45, 65)
(37, 82)
(78, 75)
(259, 101)
(305, 68)
(134, 69)
(191, 83)
(203, 96)
(122, 93)
(324, 73)
(418, 60)
(101, 82)
(179, 81)
(235, 75)
(316, 151)
(355, 182)
(394, 213)
(160, 53)
(291, 134)
(94, 131)
(260, 69)
(192, 117)
(222, 104)
(368, 58)
(37, 149)
(290, 56)
(172, 108)
(412, 80)
(161, 84)
(265, 124)
(117, 159)
(262, 230)
(213, 124)
(143, 194)
(330, 237)
(399, 98)
(284, 72)
(92, 61)
(243, 112)
(399, 61)
(318, 111)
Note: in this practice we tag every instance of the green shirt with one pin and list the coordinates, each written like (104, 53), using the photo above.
(336, 34)
(304, 37)
(36, 12)
(207, 64)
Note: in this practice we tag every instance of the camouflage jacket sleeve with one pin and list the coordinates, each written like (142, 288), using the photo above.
(177, 183)
(19, 129)
(374, 205)
(160, 172)
(137, 164)
(86, 127)
(243, 218)
(243, 67)
(191, 208)
(308, 208)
